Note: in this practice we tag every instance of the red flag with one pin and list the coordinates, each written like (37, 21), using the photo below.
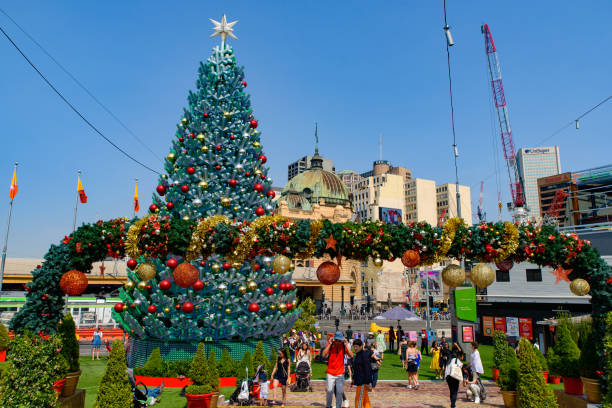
(81, 192)
(14, 188)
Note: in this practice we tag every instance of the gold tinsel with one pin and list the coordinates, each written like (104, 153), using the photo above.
(131, 245)
(448, 235)
(198, 238)
(315, 230)
(509, 243)
(250, 236)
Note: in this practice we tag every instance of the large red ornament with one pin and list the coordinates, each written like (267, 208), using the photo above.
(172, 263)
(161, 190)
(260, 211)
(206, 115)
(289, 306)
(233, 183)
(227, 265)
(170, 205)
(73, 283)
(253, 124)
(258, 187)
(118, 307)
(153, 208)
(217, 167)
(165, 284)
(131, 263)
(253, 308)
(152, 309)
(198, 285)
(184, 188)
(187, 307)
(185, 275)
(244, 83)
(190, 170)
(505, 265)
(328, 273)
(411, 258)
(263, 158)
(181, 139)
(269, 291)
(271, 194)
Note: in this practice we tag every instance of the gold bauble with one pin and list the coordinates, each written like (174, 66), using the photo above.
(242, 289)
(125, 308)
(204, 149)
(129, 285)
(171, 157)
(225, 201)
(272, 307)
(377, 262)
(227, 115)
(237, 265)
(146, 271)
(281, 264)
(203, 184)
(257, 172)
(294, 303)
(482, 275)
(255, 144)
(184, 121)
(580, 287)
(282, 307)
(215, 267)
(453, 275)
(142, 285)
(228, 310)
(166, 310)
(252, 285)
(200, 137)
(236, 208)
(274, 285)
(186, 218)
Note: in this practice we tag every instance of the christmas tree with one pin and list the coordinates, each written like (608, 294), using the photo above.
(215, 177)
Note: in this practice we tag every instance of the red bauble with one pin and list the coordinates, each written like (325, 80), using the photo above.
(248, 174)
(153, 207)
(226, 265)
(206, 115)
(202, 263)
(218, 147)
(255, 267)
(258, 187)
(198, 285)
(217, 167)
(505, 265)
(328, 273)
(263, 176)
(192, 135)
(260, 211)
(253, 308)
(232, 137)
(118, 307)
(271, 193)
(233, 183)
(73, 282)
(253, 124)
(165, 284)
(184, 188)
(282, 285)
(263, 158)
(244, 83)
(190, 170)
(149, 287)
(289, 306)
(187, 307)
(131, 263)
(269, 291)
(161, 190)
(181, 139)
(152, 309)
(290, 287)
(170, 205)
(185, 275)
(177, 307)
(171, 263)
(411, 258)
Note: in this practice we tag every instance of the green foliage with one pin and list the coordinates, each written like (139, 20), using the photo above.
(564, 360)
(541, 359)
(154, 364)
(227, 366)
(271, 362)
(532, 389)
(499, 348)
(70, 344)
(306, 321)
(246, 362)
(168, 369)
(259, 357)
(199, 374)
(213, 372)
(508, 371)
(34, 364)
(114, 390)
(589, 360)
(4, 337)
(607, 343)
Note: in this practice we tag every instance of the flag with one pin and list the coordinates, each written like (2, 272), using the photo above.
(14, 188)
(136, 206)
(81, 192)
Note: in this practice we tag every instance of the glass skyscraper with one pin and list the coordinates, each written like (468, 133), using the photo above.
(534, 163)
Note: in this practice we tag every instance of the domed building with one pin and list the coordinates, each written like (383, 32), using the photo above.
(320, 194)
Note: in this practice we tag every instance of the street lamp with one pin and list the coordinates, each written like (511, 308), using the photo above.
(342, 303)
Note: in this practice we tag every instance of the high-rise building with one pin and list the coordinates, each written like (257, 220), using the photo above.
(420, 195)
(301, 165)
(535, 163)
(350, 178)
(446, 202)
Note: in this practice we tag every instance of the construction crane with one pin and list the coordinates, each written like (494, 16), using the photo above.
(519, 213)
(482, 216)
(551, 217)
(442, 218)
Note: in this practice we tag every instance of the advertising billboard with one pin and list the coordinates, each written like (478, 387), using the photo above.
(512, 327)
(487, 326)
(526, 328)
(390, 215)
(434, 279)
(465, 304)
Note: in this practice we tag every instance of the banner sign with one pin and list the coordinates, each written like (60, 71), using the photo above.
(487, 325)
(390, 215)
(412, 336)
(512, 327)
(465, 304)
(432, 278)
(500, 323)
(468, 334)
(526, 328)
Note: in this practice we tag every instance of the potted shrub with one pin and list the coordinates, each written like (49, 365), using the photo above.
(213, 375)
(507, 379)
(499, 352)
(532, 390)
(553, 373)
(154, 365)
(200, 392)
(607, 343)
(245, 364)
(4, 341)
(70, 351)
(589, 366)
(543, 363)
(566, 356)
(115, 390)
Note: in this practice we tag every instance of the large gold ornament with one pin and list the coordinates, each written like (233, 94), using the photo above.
(215, 267)
(580, 287)
(282, 307)
(281, 264)
(200, 137)
(203, 184)
(482, 275)
(377, 262)
(242, 289)
(204, 149)
(146, 271)
(171, 157)
(129, 285)
(252, 285)
(226, 201)
(453, 275)
(142, 285)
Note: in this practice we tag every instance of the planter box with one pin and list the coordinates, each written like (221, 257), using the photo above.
(553, 379)
(592, 390)
(2, 355)
(495, 373)
(198, 401)
(545, 374)
(174, 382)
(572, 385)
(570, 401)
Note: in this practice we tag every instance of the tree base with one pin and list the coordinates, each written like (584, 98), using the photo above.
(140, 350)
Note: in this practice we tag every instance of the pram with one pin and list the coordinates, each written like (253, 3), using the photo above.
(141, 397)
(302, 377)
(243, 394)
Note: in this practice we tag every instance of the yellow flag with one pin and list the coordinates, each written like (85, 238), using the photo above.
(81, 191)
(136, 206)
(14, 188)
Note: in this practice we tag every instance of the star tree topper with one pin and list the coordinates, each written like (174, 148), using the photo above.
(223, 29)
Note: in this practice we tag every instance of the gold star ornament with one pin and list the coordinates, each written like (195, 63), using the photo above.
(223, 29)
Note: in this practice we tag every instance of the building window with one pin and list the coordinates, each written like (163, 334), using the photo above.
(502, 276)
(534, 275)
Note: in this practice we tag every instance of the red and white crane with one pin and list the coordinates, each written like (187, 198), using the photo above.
(499, 99)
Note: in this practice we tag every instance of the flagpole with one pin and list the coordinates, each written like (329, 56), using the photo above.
(76, 206)
(8, 228)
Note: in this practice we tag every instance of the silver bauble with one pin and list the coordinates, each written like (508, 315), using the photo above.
(267, 260)
(197, 202)
(222, 286)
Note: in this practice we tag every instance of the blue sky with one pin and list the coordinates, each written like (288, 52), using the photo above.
(358, 68)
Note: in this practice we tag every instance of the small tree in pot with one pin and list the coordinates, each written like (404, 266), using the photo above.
(213, 374)
(200, 392)
(589, 366)
(114, 390)
(70, 351)
(543, 363)
(531, 389)
(564, 361)
(508, 377)
(499, 351)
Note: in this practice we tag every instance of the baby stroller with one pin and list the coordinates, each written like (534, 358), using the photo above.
(143, 398)
(302, 378)
(243, 394)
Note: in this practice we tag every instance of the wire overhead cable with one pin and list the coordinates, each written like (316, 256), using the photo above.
(74, 109)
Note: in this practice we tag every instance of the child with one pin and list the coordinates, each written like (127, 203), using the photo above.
(263, 388)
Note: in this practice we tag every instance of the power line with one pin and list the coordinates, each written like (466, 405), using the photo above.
(123, 125)
(75, 110)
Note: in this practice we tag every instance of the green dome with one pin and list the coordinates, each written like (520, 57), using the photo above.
(313, 185)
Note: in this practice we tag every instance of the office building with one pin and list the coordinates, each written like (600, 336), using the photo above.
(535, 163)
(350, 178)
(446, 201)
(420, 194)
(301, 165)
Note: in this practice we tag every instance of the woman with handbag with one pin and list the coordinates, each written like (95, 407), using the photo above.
(453, 374)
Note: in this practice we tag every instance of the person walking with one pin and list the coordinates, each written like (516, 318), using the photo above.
(362, 376)
(377, 358)
(281, 375)
(381, 346)
(96, 343)
(453, 375)
(424, 341)
(400, 333)
(335, 350)
(391, 339)
(475, 361)
(435, 360)
(349, 334)
(401, 350)
(411, 364)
